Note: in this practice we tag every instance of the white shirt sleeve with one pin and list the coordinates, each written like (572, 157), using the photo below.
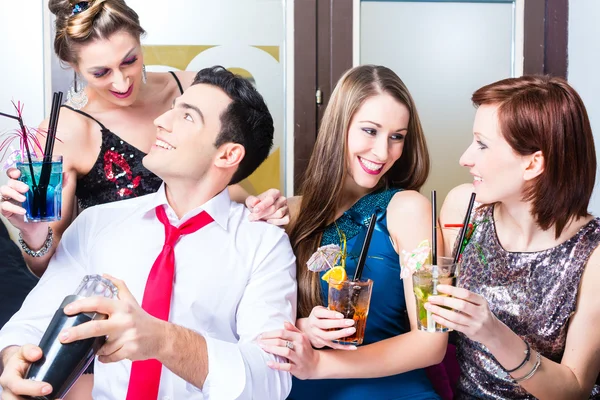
(239, 370)
(64, 273)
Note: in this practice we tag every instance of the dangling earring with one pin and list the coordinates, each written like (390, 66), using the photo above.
(144, 77)
(76, 96)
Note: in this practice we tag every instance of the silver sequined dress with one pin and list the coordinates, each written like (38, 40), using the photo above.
(532, 293)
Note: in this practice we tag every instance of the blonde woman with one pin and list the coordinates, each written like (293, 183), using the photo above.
(107, 128)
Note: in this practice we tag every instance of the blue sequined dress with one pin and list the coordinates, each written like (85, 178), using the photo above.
(387, 314)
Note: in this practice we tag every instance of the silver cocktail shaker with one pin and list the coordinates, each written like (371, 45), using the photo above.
(62, 364)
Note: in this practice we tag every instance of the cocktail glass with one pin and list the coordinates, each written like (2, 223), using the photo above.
(43, 201)
(425, 281)
(352, 299)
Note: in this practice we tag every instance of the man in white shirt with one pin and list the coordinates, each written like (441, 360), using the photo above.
(233, 279)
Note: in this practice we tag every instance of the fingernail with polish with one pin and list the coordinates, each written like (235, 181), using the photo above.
(339, 315)
(46, 390)
(64, 335)
(350, 322)
(350, 330)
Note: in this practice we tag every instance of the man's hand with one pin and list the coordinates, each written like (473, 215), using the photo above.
(131, 332)
(16, 362)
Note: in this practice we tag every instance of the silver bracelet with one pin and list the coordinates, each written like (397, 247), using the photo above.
(538, 362)
(41, 252)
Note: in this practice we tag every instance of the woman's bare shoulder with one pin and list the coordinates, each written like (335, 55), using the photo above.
(70, 125)
(186, 78)
(406, 208)
(408, 219)
(456, 203)
(74, 136)
(408, 202)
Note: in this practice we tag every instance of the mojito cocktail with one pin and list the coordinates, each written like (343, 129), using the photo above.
(425, 281)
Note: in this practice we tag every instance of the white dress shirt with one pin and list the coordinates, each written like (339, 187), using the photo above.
(234, 280)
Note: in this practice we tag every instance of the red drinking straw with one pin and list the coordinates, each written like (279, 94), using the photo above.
(456, 225)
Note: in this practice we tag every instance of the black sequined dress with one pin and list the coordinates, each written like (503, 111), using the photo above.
(118, 173)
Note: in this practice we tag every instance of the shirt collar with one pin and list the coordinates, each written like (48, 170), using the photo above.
(217, 207)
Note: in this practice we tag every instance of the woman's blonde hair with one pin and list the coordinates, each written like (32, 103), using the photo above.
(99, 19)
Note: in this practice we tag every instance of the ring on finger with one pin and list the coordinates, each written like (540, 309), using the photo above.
(289, 345)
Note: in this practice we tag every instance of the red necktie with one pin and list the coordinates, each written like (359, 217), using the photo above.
(145, 375)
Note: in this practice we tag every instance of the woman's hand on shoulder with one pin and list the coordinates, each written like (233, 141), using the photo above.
(270, 206)
(293, 345)
(318, 328)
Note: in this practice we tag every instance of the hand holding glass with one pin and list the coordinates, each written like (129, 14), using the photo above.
(425, 281)
(352, 299)
(44, 199)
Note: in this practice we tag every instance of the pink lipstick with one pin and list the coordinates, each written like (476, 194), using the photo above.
(125, 95)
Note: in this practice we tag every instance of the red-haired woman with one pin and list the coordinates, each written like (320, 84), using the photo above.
(526, 308)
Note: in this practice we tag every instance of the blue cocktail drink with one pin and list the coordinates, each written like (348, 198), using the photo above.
(44, 198)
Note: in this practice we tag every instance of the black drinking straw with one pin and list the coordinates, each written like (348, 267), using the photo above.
(365, 248)
(48, 150)
(9, 116)
(53, 122)
(433, 228)
(26, 144)
(464, 228)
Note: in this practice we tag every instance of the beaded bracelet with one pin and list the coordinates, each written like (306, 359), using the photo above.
(41, 252)
(527, 355)
(538, 362)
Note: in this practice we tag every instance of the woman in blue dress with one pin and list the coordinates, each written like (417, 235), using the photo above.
(370, 156)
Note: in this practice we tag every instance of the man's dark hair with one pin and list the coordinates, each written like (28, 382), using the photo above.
(246, 120)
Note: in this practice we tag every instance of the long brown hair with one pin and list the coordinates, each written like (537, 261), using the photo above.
(326, 172)
(100, 20)
(542, 113)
